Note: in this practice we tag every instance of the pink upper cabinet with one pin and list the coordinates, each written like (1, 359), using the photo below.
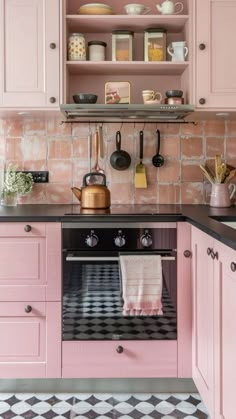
(215, 61)
(29, 53)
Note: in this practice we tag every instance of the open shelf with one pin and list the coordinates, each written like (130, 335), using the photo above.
(127, 68)
(137, 23)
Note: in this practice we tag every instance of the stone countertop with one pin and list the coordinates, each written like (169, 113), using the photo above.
(198, 215)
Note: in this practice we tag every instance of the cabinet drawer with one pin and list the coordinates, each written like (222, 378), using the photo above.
(22, 229)
(101, 359)
(30, 344)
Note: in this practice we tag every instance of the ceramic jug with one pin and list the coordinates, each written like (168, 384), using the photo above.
(221, 194)
(169, 7)
(177, 50)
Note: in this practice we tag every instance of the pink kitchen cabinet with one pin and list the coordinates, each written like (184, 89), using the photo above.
(29, 53)
(214, 51)
(30, 300)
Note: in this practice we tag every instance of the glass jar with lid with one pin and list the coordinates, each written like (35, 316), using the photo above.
(122, 45)
(155, 44)
(76, 47)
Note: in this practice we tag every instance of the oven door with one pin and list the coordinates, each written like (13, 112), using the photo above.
(93, 303)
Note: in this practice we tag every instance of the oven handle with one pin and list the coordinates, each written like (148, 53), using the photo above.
(71, 258)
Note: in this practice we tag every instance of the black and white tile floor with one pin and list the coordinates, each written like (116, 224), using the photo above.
(103, 406)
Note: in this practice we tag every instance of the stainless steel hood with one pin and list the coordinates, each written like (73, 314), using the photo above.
(149, 113)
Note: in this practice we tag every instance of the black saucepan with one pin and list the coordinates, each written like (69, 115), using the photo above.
(158, 159)
(120, 159)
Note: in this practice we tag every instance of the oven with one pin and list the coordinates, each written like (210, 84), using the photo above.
(92, 280)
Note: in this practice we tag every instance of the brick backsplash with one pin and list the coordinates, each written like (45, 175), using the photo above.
(62, 149)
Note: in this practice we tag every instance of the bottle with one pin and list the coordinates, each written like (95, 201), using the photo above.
(76, 47)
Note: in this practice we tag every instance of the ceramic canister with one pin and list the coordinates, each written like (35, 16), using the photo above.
(76, 47)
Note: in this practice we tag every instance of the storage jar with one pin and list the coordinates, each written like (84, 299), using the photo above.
(155, 44)
(76, 47)
(97, 50)
(122, 45)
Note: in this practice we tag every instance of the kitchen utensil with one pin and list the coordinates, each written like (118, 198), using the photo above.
(158, 159)
(174, 93)
(96, 168)
(93, 196)
(89, 150)
(140, 179)
(207, 174)
(95, 9)
(85, 98)
(231, 175)
(120, 159)
(221, 194)
(100, 142)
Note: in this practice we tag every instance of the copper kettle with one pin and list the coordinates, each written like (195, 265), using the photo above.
(93, 196)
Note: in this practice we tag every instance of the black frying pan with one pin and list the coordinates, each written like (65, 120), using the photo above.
(120, 159)
(158, 159)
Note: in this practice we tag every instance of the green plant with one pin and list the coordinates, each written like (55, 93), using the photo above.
(17, 182)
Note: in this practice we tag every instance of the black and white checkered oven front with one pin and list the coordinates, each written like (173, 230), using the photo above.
(92, 288)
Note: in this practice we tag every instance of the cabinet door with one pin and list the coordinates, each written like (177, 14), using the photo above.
(225, 332)
(29, 69)
(215, 65)
(203, 373)
(30, 345)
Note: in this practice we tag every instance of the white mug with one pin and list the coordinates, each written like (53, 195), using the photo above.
(136, 9)
(169, 7)
(178, 51)
(151, 95)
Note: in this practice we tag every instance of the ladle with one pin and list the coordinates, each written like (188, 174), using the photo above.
(158, 159)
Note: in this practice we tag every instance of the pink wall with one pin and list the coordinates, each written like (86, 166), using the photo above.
(38, 144)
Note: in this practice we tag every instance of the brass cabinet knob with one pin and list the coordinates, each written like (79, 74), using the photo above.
(202, 101)
(233, 267)
(52, 99)
(119, 349)
(187, 254)
(202, 46)
(53, 45)
(27, 228)
(28, 309)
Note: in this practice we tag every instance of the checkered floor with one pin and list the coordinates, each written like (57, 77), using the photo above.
(92, 308)
(103, 406)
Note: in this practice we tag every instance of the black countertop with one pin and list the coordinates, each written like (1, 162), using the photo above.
(198, 215)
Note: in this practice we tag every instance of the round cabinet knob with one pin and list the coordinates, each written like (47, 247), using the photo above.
(233, 267)
(202, 101)
(53, 45)
(146, 239)
(187, 254)
(202, 46)
(120, 239)
(27, 228)
(52, 99)
(119, 349)
(214, 255)
(28, 309)
(91, 240)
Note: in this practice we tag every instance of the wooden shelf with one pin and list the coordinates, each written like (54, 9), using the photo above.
(126, 68)
(137, 23)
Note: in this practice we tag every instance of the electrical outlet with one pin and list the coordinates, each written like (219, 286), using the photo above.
(38, 176)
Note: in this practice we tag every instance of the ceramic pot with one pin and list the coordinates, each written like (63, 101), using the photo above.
(221, 194)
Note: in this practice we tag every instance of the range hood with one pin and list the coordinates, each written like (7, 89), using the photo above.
(117, 112)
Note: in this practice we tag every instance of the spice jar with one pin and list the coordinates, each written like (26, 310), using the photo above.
(76, 47)
(122, 45)
(155, 44)
(97, 50)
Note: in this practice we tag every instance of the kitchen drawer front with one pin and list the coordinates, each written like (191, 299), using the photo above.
(30, 344)
(86, 359)
(30, 266)
(26, 229)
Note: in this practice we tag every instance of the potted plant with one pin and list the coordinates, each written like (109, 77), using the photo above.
(15, 184)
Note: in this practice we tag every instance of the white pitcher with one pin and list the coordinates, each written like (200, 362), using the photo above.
(177, 50)
(169, 7)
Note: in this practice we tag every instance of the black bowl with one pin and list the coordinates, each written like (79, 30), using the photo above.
(85, 98)
(174, 93)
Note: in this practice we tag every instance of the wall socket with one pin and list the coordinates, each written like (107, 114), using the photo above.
(38, 177)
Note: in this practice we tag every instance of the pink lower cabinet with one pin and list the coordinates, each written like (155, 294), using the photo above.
(119, 359)
(30, 345)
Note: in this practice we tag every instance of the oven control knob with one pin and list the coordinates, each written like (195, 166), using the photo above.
(120, 239)
(91, 240)
(146, 239)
